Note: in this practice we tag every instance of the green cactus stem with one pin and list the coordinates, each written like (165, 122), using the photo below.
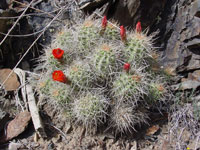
(90, 109)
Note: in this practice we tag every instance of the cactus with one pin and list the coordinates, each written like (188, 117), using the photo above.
(111, 32)
(90, 109)
(138, 48)
(156, 92)
(91, 57)
(124, 118)
(104, 60)
(80, 75)
(129, 87)
(62, 94)
(44, 86)
(87, 38)
(158, 89)
(63, 39)
(135, 51)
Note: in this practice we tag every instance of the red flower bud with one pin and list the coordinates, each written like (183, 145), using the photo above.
(123, 33)
(138, 27)
(127, 66)
(58, 53)
(104, 22)
(58, 75)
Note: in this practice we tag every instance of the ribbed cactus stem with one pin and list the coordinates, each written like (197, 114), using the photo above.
(111, 33)
(90, 109)
(87, 38)
(128, 88)
(124, 118)
(104, 61)
(80, 75)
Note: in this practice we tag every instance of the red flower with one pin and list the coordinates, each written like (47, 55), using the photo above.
(58, 53)
(104, 22)
(58, 75)
(138, 27)
(127, 66)
(123, 33)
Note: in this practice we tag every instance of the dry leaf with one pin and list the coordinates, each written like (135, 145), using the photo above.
(12, 83)
(152, 130)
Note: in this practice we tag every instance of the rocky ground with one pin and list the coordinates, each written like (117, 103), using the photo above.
(175, 127)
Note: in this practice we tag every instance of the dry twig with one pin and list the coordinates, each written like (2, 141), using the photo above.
(37, 122)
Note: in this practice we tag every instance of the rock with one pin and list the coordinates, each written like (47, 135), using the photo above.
(165, 145)
(191, 82)
(5, 23)
(134, 145)
(89, 5)
(4, 118)
(39, 22)
(17, 126)
(12, 83)
(180, 29)
(14, 47)
(129, 12)
(124, 11)
(14, 146)
(3, 4)
(194, 76)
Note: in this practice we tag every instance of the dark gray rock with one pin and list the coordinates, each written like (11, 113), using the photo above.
(5, 23)
(4, 118)
(3, 4)
(191, 82)
(39, 21)
(180, 29)
(16, 43)
(89, 5)
(129, 12)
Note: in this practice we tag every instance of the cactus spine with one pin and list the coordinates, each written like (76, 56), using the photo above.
(90, 109)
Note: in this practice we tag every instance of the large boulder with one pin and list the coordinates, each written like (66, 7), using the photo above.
(180, 29)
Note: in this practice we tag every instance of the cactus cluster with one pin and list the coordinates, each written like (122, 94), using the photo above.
(102, 75)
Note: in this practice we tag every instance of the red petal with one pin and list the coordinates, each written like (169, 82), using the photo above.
(138, 27)
(123, 33)
(58, 53)
(127, 66)
(58, 75)
(104, 22)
